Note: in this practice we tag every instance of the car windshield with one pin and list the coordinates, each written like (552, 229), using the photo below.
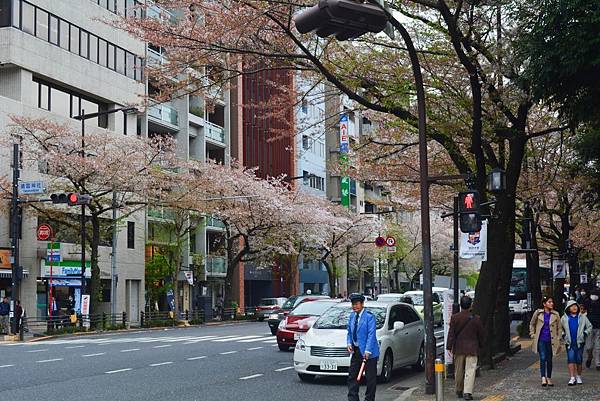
(337, 318)
(312, 308)
(268, 302)
(289, 304)
(416, 298)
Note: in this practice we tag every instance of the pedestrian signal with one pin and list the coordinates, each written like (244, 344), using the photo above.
(470, 215)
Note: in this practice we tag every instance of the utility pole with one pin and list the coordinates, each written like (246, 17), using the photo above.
(82, 219)
(14, 226)
(113, 264)
(455, 307)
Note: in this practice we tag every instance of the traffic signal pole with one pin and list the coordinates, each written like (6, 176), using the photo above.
(82, 219)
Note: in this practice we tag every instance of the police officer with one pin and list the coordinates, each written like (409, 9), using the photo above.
(362, 344)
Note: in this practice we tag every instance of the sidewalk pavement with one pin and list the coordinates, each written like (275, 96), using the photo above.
(518, 379)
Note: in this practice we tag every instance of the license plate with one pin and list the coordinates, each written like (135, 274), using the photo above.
(297, 336)
(326, 365)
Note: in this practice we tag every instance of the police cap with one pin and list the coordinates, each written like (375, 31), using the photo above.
(357, 298)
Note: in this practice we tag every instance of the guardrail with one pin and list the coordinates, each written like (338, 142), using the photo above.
(64, 324)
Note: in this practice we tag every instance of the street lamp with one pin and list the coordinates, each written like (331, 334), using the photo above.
(348, 19)
(496, 180)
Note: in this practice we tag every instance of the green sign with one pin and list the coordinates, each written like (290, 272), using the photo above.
(345, 186)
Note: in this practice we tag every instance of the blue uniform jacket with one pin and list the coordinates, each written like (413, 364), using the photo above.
(367, 333)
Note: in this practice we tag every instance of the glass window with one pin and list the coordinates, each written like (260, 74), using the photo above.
(44, 100)
(139, 69)
(61, 102)
(64, 34)
(130, 234)
(53, 30)
(102, 45)
(130, 65)
(74, 39)
(75, 106)
(103, 3)
(94, 48)
(28, 19)
(90, 107)
(111, 56)
(120, 60)
(41, 24)
(16, 14)
(83, 50)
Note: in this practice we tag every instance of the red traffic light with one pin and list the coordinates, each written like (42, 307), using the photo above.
(468, 201)
(73, 199)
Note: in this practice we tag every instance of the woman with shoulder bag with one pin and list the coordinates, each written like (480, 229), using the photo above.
(544, 329)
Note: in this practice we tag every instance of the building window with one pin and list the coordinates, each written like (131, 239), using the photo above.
(131, 235)
(305, 142)
(52, 29)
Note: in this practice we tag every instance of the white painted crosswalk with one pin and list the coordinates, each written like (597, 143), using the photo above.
(157, 341)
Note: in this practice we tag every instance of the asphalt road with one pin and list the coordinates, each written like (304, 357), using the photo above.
(221, 363)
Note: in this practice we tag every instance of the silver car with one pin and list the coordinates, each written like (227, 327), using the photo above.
(322, 350)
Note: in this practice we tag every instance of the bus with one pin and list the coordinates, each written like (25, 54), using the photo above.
(517, 298)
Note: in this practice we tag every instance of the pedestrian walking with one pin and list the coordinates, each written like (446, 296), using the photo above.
(4, 316)
(576, 327)
(465, 338)
(593, 340)
(362, 344)
(544, 329)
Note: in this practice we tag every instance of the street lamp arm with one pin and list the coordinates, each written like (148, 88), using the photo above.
(126, 110)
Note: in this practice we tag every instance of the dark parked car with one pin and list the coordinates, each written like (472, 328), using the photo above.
(275, 318)
(266, 306)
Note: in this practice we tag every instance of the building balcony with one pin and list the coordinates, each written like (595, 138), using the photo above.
(164, 114)
(155, 57)
(214, 132)
(216, 266)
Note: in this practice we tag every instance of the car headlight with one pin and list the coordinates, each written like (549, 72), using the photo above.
(282, 324)
(301, 345)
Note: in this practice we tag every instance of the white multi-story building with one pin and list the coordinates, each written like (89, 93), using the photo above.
(57, 59)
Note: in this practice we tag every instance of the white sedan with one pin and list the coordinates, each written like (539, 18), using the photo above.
(322, 350)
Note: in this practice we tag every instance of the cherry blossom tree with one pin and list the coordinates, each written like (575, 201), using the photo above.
(132, 168)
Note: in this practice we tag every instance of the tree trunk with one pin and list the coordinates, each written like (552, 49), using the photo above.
(175, 281)
(95, 283)
(331, 273)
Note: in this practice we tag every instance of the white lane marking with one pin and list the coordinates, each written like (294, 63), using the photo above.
(6, 366)
(282, 369)
(227, 353)
(75, 346)
(270, 341)
(38, 350)
(251, 377)
(117, 371)
(50, 360)
(130, 350)
(162, 346)
(161, 364)
(222, 340)
(194, 358)
(254, 348)
(275, 345)
(91, 355)
(256, 339)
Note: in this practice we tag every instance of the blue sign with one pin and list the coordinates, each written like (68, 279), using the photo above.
(55, 258)
(31, 187)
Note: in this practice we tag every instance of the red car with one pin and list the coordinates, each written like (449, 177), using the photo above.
(299, 320)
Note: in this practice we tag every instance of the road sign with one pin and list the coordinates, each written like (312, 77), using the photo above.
(390, 241)
(31, 187)
(391, 249)
(380, 242)
(44, 232)
(53, 252)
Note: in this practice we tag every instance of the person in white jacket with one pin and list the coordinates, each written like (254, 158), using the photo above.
(576, 327)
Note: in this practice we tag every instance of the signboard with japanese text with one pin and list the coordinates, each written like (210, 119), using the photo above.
(5, 256)
(344, 150)
(473, 246)
(31, 187)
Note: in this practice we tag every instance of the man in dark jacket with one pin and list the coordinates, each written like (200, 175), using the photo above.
(592, 305)
(465, 337)
(4, 320)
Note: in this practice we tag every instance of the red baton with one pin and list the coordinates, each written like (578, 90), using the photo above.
(361, 371)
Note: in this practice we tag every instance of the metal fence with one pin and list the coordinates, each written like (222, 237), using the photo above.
(64, 324)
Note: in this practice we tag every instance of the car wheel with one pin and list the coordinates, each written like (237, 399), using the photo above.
(283, 347)
(388, 366)
(274, 331)
(306, 378)
(419, 366)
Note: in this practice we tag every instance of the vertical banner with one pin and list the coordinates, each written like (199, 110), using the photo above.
(85, 310)
(559, 268)
(473, 246)
(448, 300)
(344, 149)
